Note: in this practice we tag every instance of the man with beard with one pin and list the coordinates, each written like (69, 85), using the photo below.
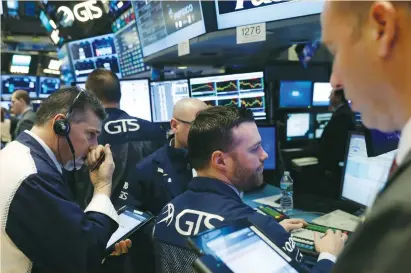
(225, 149)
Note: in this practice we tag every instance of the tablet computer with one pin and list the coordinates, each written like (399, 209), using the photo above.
(241, 247)
(130, 220)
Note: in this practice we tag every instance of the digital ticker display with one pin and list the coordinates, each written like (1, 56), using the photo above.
(128, 45)
(92, 53)
(245, 89)
(162, 24)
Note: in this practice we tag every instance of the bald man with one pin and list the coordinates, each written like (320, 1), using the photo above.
(163, 175)
(371, 43)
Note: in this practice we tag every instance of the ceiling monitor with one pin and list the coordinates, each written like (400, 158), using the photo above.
(321, 120)
(162, 24)
(321, 93)
(48, 85)
(243, 12)
(96, 52)
(243, 89)
(295, 94)
(128, 47)
(268, 142)
(299, 126)
(135, 98)
(364, 177)
(11, 83)
(164, 94)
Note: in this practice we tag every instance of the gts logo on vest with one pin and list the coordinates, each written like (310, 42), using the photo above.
(256, 3)
(121, 126)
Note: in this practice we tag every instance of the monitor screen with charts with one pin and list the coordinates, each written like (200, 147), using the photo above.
(48, 85)
(164, 95)
(321, 93)
(299, 126)
(268, 142)
(11, 83)
(364, 176)
(135, 98)
(321, 120)
(246, 89)
(295, 94)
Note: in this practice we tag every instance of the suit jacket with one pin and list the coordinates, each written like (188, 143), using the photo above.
(26, 122)
(383, 242)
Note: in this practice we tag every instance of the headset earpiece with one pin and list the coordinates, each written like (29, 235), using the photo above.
(61, 127)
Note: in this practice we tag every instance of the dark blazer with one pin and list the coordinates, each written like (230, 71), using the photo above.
(26, 122)
(382, 244)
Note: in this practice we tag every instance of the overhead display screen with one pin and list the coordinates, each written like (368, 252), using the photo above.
(245, 12)
(11, 83)
(92, 53)
(162, 24)
(246, 89)
(48, 85)
(128, 45)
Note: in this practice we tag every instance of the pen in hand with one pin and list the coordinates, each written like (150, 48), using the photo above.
(98, 163)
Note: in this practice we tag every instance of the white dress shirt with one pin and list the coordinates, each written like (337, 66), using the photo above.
(404, 147)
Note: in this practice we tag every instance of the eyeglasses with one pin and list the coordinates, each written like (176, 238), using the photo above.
(183, 121)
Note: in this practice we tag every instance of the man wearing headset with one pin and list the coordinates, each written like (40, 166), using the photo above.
(42, 229)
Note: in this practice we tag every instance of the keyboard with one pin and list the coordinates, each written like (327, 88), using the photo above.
(276, 214)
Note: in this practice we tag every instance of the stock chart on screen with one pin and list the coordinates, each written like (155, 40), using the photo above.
(246, 89)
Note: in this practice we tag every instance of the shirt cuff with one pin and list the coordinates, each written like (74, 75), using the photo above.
(327, 256)
(102, 203)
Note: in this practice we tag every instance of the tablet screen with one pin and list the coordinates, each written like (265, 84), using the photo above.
(128, 220)
(245, 251)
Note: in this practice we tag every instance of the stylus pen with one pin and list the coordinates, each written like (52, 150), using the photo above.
(98, 163)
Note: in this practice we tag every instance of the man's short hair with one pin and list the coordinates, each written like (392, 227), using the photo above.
(212, 131)
(22, 95)
(105, 85)
(340, 93)
(60, 102)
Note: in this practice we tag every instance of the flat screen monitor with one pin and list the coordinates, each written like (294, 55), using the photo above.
(321, 120)
(67, 75)
(295, 94)
(380, 143)
(321, 93)
(268, 142)
(117, 7)
(135, 98)
(5, 104)
(11, 83)
(364, 177)
(299, 126)
(245, 89)
(162, 24)
(128, 47)
(243, 12)
(21, 60)
(48, 85)
(96, 52)
(164, 95)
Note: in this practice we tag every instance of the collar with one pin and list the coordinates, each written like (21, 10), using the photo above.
(46, 148)
(339, 106)
(404, 146)
(207, 184)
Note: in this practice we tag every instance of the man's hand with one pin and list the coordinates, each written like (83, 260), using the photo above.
(291, 224)
(332, 243)
(121, 248)
(101, 177)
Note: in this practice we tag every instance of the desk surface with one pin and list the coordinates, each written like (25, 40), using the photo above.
(269, 190)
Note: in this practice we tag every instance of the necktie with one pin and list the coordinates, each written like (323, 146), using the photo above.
(393, 168)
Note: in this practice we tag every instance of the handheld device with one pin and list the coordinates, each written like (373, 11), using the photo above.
(130, 220)
(241, 247)
(99, 162)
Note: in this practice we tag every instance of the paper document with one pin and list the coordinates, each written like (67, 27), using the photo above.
(338, 219)
(270, 200)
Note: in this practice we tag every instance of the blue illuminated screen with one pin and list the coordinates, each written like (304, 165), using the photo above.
(299, 126)
(268, 142)
(11, 83)
(295, 94)
(48, 85)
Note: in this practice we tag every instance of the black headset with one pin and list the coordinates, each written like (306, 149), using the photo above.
(62, 127)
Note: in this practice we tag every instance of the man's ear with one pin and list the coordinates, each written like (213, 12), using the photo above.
(219, 160)
(173, 125)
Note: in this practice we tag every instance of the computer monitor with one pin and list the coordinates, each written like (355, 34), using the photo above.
(321, 93)
(5, 104)
(268, 142)
(364, 176)
(11, 83)
(81, 85)
(299, 126)
(48, 85)
(321, 120)
(380, 143)
(135, 98)
(245, 89)
(295, 94)
(164, 94)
